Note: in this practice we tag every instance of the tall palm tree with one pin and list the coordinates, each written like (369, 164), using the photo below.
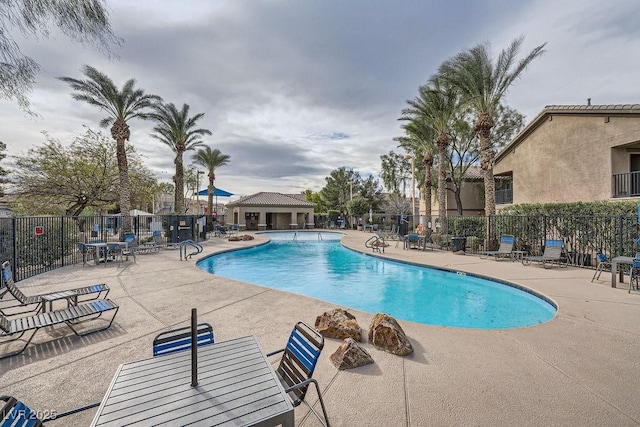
(210, 159)
(484, 83)
(419, 141)
(437, 106)
(177, 130)
(120, 105)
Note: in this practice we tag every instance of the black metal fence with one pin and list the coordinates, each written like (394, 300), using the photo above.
(35, 245)
(583, 236)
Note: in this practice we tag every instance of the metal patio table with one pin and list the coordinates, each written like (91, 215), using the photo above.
(628, 260)
(236, 386)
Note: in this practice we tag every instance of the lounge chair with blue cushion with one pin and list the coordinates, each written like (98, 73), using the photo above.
(12, 330)
(21, 303)
(504, 251)
(298, 362)
(552, 255)
(180, 339)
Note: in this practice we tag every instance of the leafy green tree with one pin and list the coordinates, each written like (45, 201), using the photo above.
(57, 178)
(314, 197)
(483, 84)
(85, 23)
(465, 147)
(370, 190)
(358, 206)
(340, 187)
(210, 159)
(120, 105)
(177, 130)
(395, 172)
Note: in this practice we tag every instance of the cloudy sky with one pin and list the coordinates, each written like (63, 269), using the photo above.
(294, 89)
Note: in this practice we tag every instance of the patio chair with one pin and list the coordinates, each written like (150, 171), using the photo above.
(298, 362)
(412, 241)
(552, 254)
(603, 264)
(87, 253)
(634, 279)
(33, 303)
(158, 240)
(14, 329)
(504, 251)
(15, 413)
(180, 339)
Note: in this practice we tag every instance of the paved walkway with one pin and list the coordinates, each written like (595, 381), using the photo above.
(582, 368)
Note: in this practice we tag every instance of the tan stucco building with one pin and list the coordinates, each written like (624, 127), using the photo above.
(271, 211)
(572, 153)
(471, 192)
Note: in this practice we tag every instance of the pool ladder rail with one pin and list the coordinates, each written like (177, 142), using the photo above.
(295, 236)
(376, 243)
(189, 243)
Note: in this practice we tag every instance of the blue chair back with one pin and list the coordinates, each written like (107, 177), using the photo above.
(175, 340)
(507, 239)
(300, 358)
(601, 257)
(413, 237)
(17, 413)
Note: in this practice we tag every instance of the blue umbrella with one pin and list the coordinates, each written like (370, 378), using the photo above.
(217, 192)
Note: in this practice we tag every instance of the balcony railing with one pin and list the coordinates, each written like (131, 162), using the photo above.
(626, 184)
(504, 197)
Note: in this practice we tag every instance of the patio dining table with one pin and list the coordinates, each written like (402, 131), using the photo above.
(101, 248)
(619, 260)
(236, 386)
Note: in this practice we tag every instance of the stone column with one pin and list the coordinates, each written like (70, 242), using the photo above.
(293, 225)
(262, 221)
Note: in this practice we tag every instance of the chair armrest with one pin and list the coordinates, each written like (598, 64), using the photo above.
(302, 384)
(275, 352)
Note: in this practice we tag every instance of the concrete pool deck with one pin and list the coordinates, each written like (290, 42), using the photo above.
(580, 368)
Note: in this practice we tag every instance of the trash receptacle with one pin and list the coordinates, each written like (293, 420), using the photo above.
(458, 243)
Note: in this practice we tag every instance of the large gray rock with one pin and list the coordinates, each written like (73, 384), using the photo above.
(338, 323)
(386, 334)
(350, 355)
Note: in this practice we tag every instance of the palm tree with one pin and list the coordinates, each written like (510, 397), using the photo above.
(419, 142)
(483, 83)
(210, 160)
(120, 105)
(176, 130)
(437, 106)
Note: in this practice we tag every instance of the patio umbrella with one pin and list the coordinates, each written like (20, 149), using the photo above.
(370, 215)
(217, 192)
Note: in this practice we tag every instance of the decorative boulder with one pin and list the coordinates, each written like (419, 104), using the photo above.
(350, 355)
(338, 323)
(386, 334)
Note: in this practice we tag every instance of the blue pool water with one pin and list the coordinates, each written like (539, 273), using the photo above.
(325, 270)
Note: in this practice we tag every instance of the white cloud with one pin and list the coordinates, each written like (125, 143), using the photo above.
(293, 90)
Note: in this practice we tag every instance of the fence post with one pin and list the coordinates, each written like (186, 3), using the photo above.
(63, 240)
(620, 233)
(14, 230)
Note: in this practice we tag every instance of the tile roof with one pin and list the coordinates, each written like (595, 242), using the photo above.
(598, 108)
(270, 199)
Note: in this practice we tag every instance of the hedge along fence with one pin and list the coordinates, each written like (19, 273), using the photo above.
(583, 235)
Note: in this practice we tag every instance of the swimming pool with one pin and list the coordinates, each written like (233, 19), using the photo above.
(303, 264)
